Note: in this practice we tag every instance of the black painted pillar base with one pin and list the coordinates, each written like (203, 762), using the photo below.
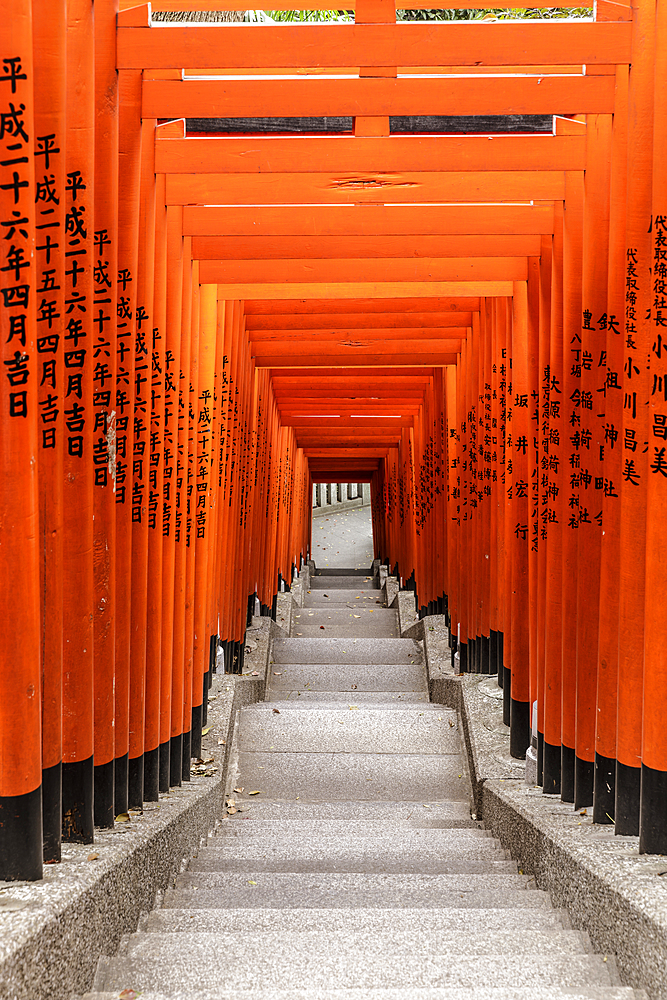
(175, 761)
(78, 825)
(274, 606)
(120, 784)
(463, 653)
(152, 775)
(566, 774)
(213, 655)
(653, 812)
(551, 769)
(486, 655)
(493, 655)
(195, 731)
(604, 789)
(186, 758)
(251, 609)
(103, 804)
(21, 836)
(204, 704)
(501, 656)
(52, 811)
(507, 695)
(165, 760)
(584, 771)
(519, 728)
(540, 757)
(135, 782)
(628, 792)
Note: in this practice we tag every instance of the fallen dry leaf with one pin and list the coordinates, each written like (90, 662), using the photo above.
(128, 995)
(205, 731)
(321, 626)
(231, 810)
(277, 673)
(93, 857)
(123, 818)
(250, 882)
(356, 616)
(354, 687)
(239, 790)
(276, 711)
(220, 742)
(354, 708)
(256, 792)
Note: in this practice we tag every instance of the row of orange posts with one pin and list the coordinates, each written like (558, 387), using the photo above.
(196, 327)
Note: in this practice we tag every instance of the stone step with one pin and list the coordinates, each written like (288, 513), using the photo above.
(332, 923)
(366, 597)
(341, 729)
(296, 944)
(344, 571)
(390, 863)
(158, 963)
(306, 696)
(436, 993)
(332, 650)
(347, 582)
(350, 890)
(327, 776)
(355, 831)
(348, 677)
(446, 812)
(357, 622)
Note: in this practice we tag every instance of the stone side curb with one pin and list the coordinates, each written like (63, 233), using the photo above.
(606, 888)
(80, 910)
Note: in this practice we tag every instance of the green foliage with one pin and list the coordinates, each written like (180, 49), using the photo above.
(465, 14)
(500, 14)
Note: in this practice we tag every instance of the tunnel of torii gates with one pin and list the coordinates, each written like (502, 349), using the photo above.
(195, 328)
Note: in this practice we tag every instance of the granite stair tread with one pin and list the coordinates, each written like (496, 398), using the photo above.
(418, 993)
(347, 865)
(158, 963)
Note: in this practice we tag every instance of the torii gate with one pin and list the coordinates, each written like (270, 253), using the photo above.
(367, 306)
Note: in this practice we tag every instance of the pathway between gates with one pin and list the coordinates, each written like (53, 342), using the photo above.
(347, 864)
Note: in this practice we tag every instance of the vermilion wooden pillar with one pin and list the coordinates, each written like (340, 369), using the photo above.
(201, 512)
(180, 723)
(156, 756)
(20, 730)
(638, 386)
(572, 261)
(653, 815)
(589, 438)
(138, 500)
(49, 40)
(79, 195)
(556, 517)
(172, 385)
(610, 557)
(189, 478)
(126, 291)
(105, 270)
(518, 554)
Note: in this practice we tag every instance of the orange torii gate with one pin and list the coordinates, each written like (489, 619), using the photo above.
(196, 328)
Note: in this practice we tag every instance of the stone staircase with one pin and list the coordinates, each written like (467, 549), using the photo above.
(356, 872)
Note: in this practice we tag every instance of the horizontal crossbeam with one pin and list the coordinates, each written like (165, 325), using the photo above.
(230, 248)
(362, 324)
(279, 97)
(395, 153)
(364, 269)
(372, 220)
(351, 189)
(451, 43)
